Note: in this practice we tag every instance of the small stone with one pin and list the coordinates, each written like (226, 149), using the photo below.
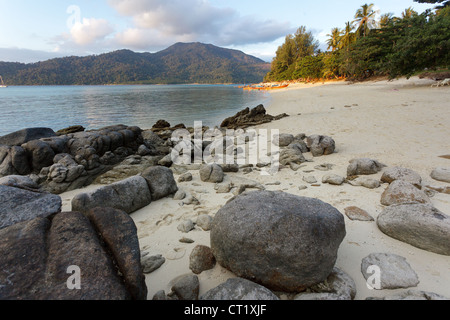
(333, 179)
(179, 195)
(204, 222)
(309, 179)
(186, 240)
(185, 177)
(187, 287)
(441, 174)
(186, 226)
(355, 213)
(201, 259)
(150, 264)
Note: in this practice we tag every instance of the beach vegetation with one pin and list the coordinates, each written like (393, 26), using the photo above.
(391, 47)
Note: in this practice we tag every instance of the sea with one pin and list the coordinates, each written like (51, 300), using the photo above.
(95, 107)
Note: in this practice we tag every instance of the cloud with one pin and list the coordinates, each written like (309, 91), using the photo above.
(168, 21)
(89, 31)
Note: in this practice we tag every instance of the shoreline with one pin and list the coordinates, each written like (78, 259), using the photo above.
(399, 123)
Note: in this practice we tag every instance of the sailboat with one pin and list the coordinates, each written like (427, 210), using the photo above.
(2, 84)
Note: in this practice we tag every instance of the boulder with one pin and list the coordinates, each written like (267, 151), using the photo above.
(441, 174)
(19, 205)
(23, 136)
(404, 174)
(239, 289)
(394, 271)
(211, 173)
(333, 179)
(186, 287)
(40, 259)
(355, 213)
(420, 225)
(288, 156)
(152, 263)
(41, 154)
(283, 139)
(282, 241)
(364, 182)
(127, 195)
(161, 182)
(364, 166)
(399, 192)
(201, 259)
(247, 117)
(320, 145)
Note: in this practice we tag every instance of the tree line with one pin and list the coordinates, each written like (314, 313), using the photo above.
(389, 46)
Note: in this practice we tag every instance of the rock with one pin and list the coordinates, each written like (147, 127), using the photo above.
(185, 177)
(355, 213)
(398, 173)
(324, 167)
(364, 182)
(41, 253)
(299, 145)
(150, 264)
(161, 182)
(288, 156)
(179, 195)
(230, 167)
(201, 259)
(309, 179)
(338, 286)
(41, 154)
(166, 161)
(23, 136)
(204, 221)
(247, 117)
(279, 240)
(127, 195)
(364, 166)
(394, 271)
(239, 289)
(119, 233)
(21, 182)
(333, 179)
(211, 173)
(399, 192)
(19, 205)
(186, 226)
(420, 225)
(283, 139)
(19, 160)
(413, 295)
(223, 187)
(161, 124)
(187, 287)
(143, 150)
(320, 145)
(71, 129)
(441, 174)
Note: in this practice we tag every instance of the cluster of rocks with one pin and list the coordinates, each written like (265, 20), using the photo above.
(250, 117)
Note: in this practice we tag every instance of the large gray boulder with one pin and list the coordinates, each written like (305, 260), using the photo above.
(23, 136)
(161, 182)
(19, 205)
(284, 242)
(239, 289)
(420, 225)
(41, 259)
(399, 192)
(128, 195)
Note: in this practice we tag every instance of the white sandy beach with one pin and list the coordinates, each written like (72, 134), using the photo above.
(400, 123)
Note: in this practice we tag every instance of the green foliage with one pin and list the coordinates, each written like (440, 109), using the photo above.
(395, 47)
(180, 63)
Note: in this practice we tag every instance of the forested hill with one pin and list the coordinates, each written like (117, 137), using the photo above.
(179, 64)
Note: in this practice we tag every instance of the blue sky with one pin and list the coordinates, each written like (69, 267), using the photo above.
(38, 30)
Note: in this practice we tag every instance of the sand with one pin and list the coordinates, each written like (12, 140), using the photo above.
(399, 123)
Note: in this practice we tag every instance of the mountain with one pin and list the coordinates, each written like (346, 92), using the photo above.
(179, 64)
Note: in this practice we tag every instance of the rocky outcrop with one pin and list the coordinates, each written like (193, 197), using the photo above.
(247, 118)
(321, 145)
(72, 257)
(128, 195)
(19, 205)
(420, 225)
(160, 181)
(279, 240)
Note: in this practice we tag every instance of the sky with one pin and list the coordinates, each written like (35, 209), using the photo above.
(32, 31)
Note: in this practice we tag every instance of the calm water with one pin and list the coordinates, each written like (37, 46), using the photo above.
(93, 107)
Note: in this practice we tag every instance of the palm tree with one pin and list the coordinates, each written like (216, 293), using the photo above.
(348, 36)
(385, 19)
(365, 19)
(408, 13)
(335, 38)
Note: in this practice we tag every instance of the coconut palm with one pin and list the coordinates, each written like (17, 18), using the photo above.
(385, 19)
(365, 19)
(408, 13)
(348, 36)
(335, 38)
